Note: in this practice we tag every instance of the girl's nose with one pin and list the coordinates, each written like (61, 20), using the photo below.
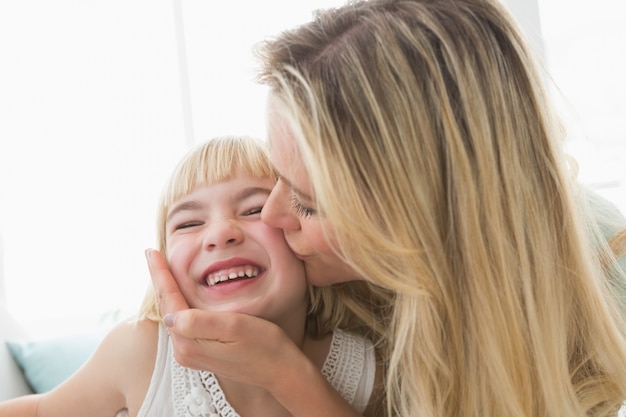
(223, 233)
(277, 210)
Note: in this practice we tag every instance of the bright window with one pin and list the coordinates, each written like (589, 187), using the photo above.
(99, 100)
(91, 125)
(586, 56)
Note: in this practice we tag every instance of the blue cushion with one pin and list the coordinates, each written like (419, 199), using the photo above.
(48, 362)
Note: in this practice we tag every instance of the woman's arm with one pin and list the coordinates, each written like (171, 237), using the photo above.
(244, 348)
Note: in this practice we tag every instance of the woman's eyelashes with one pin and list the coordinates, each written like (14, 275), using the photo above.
(301, 209)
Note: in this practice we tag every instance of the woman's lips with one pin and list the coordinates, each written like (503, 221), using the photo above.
(296, 253)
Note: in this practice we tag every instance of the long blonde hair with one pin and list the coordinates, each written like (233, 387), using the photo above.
(455, 195)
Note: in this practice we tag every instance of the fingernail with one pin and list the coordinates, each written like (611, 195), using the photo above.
(168, 319)
(148, 252)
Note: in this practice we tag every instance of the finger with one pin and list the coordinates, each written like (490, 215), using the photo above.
(223, 327)
(168, 294)
(204, 339)
(204, 325)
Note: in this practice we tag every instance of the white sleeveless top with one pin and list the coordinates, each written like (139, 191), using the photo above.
(176, 391)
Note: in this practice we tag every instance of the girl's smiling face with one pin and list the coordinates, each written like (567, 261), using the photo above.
(225, 258)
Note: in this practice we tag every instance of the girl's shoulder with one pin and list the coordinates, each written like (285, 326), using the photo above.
(132, 344)
(137, 338)
(115, 377)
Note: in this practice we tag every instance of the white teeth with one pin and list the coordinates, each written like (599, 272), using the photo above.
(234, 273)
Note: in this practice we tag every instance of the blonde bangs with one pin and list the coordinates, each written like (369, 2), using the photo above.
(216, 161)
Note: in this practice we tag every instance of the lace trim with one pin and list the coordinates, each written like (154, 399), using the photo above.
(212, 386)
(344, 364)
(198, 394)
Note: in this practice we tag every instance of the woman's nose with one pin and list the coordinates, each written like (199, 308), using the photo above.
(277, 210)
(223, 233)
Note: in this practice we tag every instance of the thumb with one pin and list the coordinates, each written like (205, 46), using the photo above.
(168, 294)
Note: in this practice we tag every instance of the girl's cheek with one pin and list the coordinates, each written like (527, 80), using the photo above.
(270, 232)
(177, 258)
(272, 235)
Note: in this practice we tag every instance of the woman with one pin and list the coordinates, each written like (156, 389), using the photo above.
(417, 151)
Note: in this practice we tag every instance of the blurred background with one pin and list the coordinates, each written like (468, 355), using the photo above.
(99, 100)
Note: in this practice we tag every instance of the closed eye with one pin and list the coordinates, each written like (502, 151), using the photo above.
(301, 209)
(253, 211)
(187, 225)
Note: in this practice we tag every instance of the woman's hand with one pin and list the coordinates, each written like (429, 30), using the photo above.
(243, 348)
(236, 346)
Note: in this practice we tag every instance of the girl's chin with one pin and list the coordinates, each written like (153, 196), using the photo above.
(227, 307)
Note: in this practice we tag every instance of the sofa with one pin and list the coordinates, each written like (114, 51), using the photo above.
(12, 380)
(28, 364)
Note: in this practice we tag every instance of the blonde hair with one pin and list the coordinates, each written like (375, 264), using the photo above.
(454, 195)
(219, 160)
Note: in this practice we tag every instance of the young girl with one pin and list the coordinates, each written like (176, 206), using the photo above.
(224, 259)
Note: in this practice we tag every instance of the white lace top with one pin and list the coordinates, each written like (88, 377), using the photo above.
(176, 391)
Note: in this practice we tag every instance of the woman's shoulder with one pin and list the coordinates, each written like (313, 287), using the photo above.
(349, 351)
(607, 215)
(351, 367)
